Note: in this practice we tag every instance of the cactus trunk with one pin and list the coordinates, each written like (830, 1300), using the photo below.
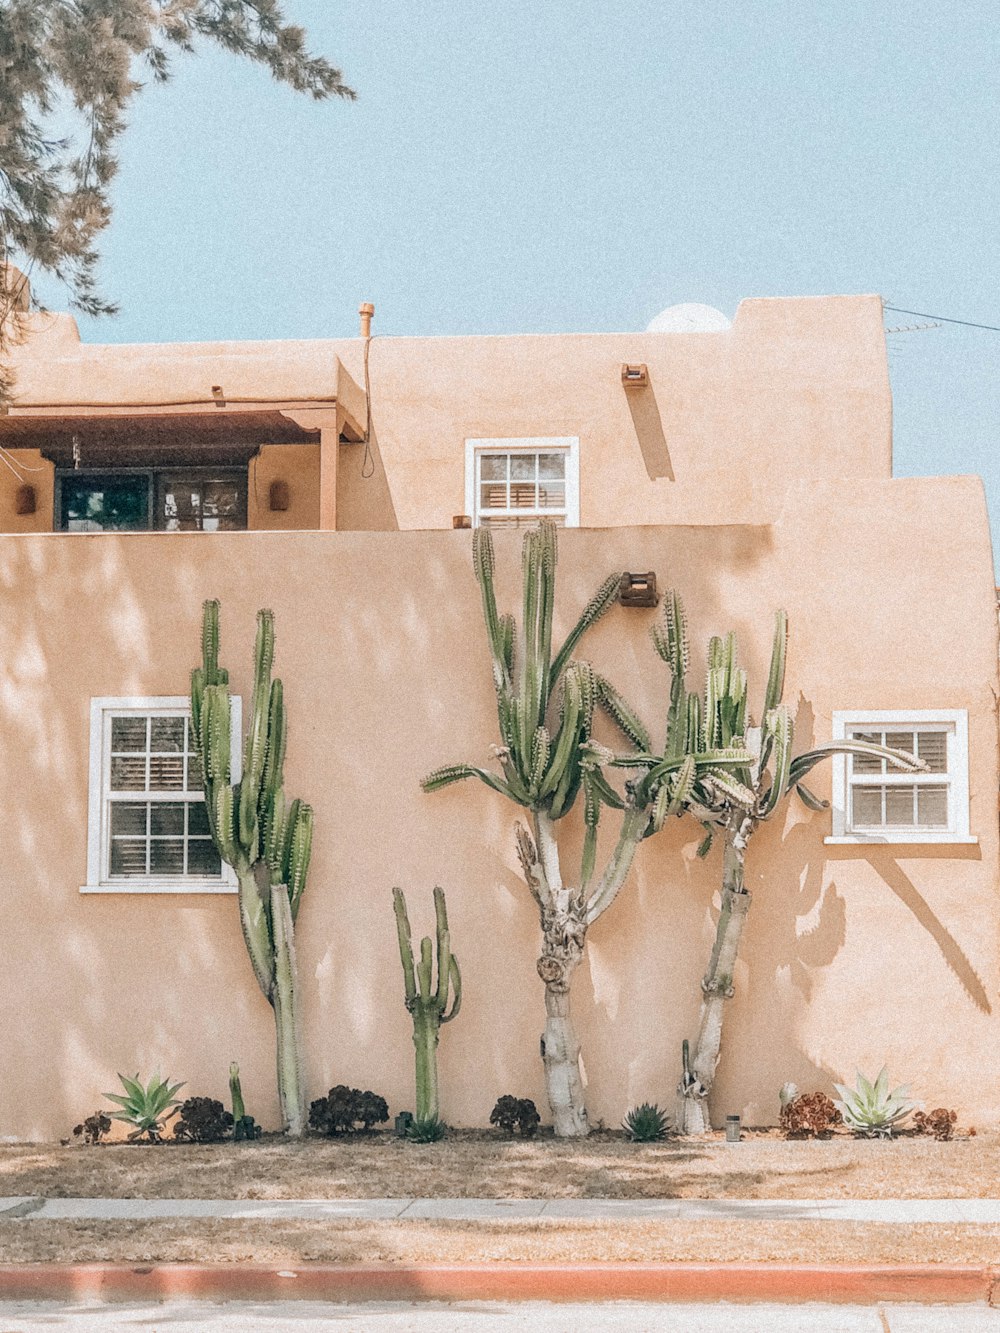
(717, 987)
(291, 1088)
(425, 1040)
(561, 1055)
(427, 1000)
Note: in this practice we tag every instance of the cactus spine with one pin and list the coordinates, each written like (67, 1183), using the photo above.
(426, 1001)
(266, 841)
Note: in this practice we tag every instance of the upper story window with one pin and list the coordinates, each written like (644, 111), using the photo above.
(152, 499)
(874, 802)
(513, 483)
(148, 827)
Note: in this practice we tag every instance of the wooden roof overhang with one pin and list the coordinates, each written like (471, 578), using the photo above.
(169, 435)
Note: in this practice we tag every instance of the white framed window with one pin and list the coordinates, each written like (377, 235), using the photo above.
(147, 826)
(873, 802)
(513, 483)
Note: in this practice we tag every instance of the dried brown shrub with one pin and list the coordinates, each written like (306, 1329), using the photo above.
(940, 1122)
(810, 1115)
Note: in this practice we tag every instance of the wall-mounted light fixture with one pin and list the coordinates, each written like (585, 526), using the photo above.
(218, 395)
(638, 589)
(278, 497)
(635, 375)
(461, 521)
(25, 500)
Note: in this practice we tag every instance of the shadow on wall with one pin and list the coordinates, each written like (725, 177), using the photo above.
(364, 500)
(648, 425)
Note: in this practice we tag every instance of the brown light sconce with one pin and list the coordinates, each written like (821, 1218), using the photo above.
(635, 376)
(25, 500)
(278, 497)
(638, 589)
(461, 521)
(218, 395)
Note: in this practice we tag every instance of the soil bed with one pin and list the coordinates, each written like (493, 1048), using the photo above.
(478, 1164)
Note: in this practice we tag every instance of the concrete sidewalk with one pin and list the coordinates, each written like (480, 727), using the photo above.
(900, 1211)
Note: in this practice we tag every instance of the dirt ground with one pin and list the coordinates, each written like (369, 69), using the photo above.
(476, 1164)
(540, 1241)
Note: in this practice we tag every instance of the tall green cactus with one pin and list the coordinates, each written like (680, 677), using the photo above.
(547, 757)
(730, 800)
(266, 841)
(426, 1000)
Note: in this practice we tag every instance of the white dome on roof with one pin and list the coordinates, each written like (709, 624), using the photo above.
(689, 317)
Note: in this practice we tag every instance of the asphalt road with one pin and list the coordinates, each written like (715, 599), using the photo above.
(475, 1317)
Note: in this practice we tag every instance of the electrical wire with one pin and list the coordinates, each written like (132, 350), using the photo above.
(922, 314)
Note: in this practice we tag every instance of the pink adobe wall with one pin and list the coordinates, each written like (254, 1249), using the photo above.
(853, 955)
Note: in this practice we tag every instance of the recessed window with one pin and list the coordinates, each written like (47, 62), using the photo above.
(875, 802)
(152, 499)
(514, 483)
(148, 823)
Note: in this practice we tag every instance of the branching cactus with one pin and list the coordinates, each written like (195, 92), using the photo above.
(427, 1000)
(730, 799)
(546, 758)
(266, 840)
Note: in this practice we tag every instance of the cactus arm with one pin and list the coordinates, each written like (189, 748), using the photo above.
(622, 714)
(776, 674)
(599, 605)
(632, 830)
(405, 945)
(444, 777)
(300, 855)
(443, 948)
(425, 971)
(256, 925)
(902, 759)
(809, 799)
(455, 977)
(778, 728)
(236, 1092)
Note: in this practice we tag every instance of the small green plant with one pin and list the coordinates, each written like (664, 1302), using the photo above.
(518, 1113)
(203, 1120)
(870, 1109)
(245, 1127)
(427, 1131)
(146, 1108)
(646, 1123)
(94, 1128)
(344, 1108)
(426, 1001)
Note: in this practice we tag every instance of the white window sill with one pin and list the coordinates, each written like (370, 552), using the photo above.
(164, 886)
(902, 839)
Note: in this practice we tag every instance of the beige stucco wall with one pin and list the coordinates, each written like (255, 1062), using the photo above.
(853, 955)
(32, 470)
(298, 466)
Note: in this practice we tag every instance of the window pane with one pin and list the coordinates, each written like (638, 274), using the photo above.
(899, 806)
(220, 507)
(128, 733)
(128, 856)
(197, 818)
(166, 817)
(195, 778)
(166, 856)
(104, 504)
(203, 859)
(523, 495)
(166, 772)
(522, 467)
(492, 496)
(932, 747)
(128, 773)
(166, 733)
(181, 506)
(867, 806)
(932, 806)
(867, 763)
(493, 467)
(128, 817)
(552, 495)
(901, 740)
(552, 467)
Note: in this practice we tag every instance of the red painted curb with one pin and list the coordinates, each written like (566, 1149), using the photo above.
(858, 1284)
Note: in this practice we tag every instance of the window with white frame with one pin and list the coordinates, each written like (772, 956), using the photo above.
(513, 483)
(148, 826)
(875, 802)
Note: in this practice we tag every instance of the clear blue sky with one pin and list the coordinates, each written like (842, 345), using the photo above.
(580, 166)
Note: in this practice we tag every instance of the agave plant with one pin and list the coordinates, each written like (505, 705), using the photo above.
(148, 1108)
(546, 757)
(646, 1123)
(732, 776)
(870, 1109)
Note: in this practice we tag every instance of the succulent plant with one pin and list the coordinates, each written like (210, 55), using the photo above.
(646, 1123)
(870, 1109)
(808, 1114)
(427, 1131)
(427, 1001)
(146, 1108)
(344, 1108)
(203, 1120)
(939, 1123)
(518, 1113)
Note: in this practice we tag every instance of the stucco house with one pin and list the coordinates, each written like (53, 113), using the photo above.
(750, 466)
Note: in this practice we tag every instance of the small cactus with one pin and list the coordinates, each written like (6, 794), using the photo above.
(427, 1002)
(646, 1123)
